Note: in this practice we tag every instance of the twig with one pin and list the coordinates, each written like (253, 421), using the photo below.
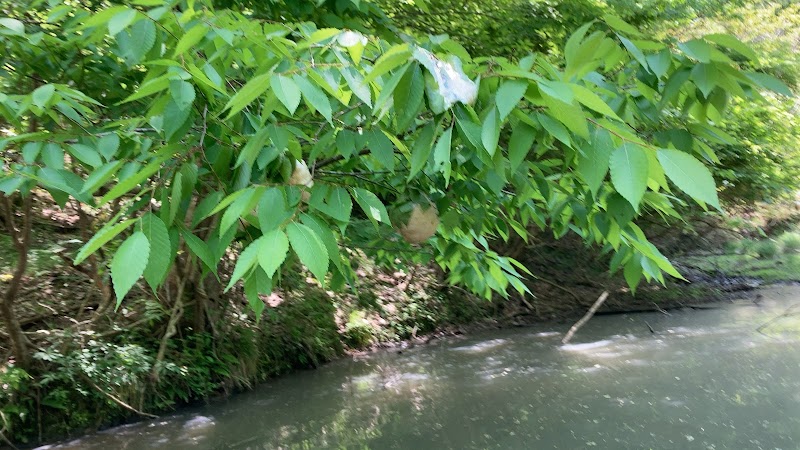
(661, 310)
(649, 327)
(118, 401)
(760, 329)
(585, 318)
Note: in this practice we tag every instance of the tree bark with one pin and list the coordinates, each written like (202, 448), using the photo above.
(21, 240)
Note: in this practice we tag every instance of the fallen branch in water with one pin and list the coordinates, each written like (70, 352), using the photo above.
(600, 300)
(786, 313)
(118, 401)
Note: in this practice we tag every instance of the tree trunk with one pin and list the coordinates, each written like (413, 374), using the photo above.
(21, 240)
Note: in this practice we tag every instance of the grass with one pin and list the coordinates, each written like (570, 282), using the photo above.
(783, 267)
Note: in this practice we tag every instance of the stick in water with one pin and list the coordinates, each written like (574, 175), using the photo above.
(585, 318)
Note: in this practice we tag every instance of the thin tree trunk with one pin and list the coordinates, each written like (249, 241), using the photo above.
(21, 240)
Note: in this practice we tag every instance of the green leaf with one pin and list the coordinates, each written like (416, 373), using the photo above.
(273, 250)
(769, 82)
(620, 25)
(594, 159)
(174, 119)
(393, 58)
(100, 176)
(633, 272)
(120, 21)
(592, 101)
(273, 210)
(247, 259)
(519, 145)
(192, 37)
(200, 249)
(126, 185)
(14, 26)
(86, 155)
(731, 42)
(336, 203)
(287, 92)
(508, 95)
(160, 250)
(408, 97)
(315, 97)
(249, 92)
(108, 146)
(309, 249)
(148, 88)
(629, 165)
(129, 263)
(421, 150)
(105, 234)
(441, 155)
(182, 93)
(371, 205)
(697, 49)
(42, 95)
(243, 203)
(30, 151)
(689, 175)
(490, 131)
(53, 156)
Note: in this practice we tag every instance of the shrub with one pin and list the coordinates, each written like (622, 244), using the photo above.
(766, 249)
(790, 242)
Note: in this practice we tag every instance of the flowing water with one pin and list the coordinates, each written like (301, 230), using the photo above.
(705, 379)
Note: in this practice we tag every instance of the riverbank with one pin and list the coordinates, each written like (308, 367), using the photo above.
(91, 374)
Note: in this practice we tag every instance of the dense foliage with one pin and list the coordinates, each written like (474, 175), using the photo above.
(279, 134)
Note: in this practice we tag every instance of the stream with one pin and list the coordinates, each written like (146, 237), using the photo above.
(705, 379)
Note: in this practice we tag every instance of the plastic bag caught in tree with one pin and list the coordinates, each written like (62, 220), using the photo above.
(454, 85)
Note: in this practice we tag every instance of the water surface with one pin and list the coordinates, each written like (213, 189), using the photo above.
(706, 380)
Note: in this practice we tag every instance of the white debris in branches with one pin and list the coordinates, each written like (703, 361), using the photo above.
(350, 38)
(454, 85)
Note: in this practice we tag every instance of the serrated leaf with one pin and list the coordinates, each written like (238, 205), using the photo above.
(629, 165)
(175, 117)
(160, 250)
(53, 156)
(125, 186)
(309, 248)
(520, 143)
(408, 97)
(593, 161)
(273, 210)
(697, 49)
(182, 93)
(508, 96)
(441, 155)
(30, 151)
(105, 234)
(336, 204)
(190, 38)
(242, 204)
(371, 205)
(633, 273)
(421, 150)
(393, 58)
(731, 42)
(200, 249)
(85, 154)
(129, 263)
(689, 175)
(273, 250)
(100, 176)
(592, 101)
(246, 260)
(490, 131)
(249, 92)
(120, 21)
(42, 95)
(315, 97)
(287, 92)
(148, 88)
(769, 82)
(108, 146)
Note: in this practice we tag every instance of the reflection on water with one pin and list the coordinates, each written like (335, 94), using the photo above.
(705, 379)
